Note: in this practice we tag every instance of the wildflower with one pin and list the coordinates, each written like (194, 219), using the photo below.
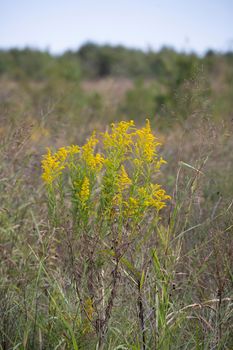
(157, 197)
(73, 149)
(152, 196)
(132, 206)
(85, 191)
(145, 144)
(159, 162)
(120, 137)
(52, 166)
(123, 179)
(61, 154)
(93, 161)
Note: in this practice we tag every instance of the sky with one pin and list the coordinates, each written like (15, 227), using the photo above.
(58, 25)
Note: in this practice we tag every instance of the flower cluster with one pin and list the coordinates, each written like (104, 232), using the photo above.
(53, 164)
(120, 139)
(121, 175)
(146, 144)
(123, 179)
(85, 191)
(93, 161)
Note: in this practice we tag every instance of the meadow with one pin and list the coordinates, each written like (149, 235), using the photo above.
(116, 211)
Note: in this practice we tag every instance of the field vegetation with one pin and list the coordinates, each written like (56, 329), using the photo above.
(116, 211)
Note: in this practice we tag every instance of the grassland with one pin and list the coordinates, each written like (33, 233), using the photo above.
(175, 291)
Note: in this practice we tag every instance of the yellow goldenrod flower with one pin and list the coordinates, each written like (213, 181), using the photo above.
(153, 196)
(157, 198)
(73, 149)
(94, 162)
(85, 191)
(159, 162)
(61, 154)
(132, 206)
(123, 179)
(99, 160)
(145, 144)
(120, 137)
(52, 167)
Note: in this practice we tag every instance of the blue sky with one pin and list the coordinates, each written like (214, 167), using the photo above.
(58, 25)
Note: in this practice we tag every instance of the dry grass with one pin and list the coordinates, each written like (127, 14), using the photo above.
(191, 307)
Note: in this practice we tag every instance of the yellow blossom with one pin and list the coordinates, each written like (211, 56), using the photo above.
(146, 144)
(85, 191)
(52, 167)
(93, 161)
(153, 196)
(157, 197)
(132, 206)
(123, 179)
(73, 149)
(61, 154)
(159, 162)
(120, 137)
(53, 164)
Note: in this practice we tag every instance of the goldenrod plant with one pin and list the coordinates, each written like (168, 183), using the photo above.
(110, 192)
